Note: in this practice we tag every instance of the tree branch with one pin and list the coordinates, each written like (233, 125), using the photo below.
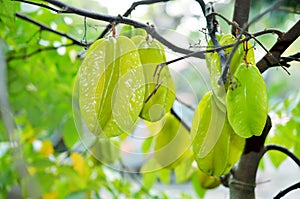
(241, 32)
(6, 114)
(38, 4)
(287, 190)
(46, 28)
(68, 9)
(243, 180)
(283, 150)
(216, 49)
(279, 47)
(129, 11)
(241, 14)
(185, 125)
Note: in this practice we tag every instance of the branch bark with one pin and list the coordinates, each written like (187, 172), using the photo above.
(241, 14)
(242, 182)
(278, 48)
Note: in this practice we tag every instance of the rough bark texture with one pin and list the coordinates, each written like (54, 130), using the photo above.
(242, 182)
(241, 13)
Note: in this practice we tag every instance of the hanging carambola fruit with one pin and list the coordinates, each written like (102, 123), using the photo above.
(247, 103)
(116, 83)
(172, 143)
(230, 112)
(216, 147)
(111, 86)
(159, 93)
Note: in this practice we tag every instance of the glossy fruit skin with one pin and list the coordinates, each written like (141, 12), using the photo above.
(172, 143)
(111, 87)
(247, 103)
(216, 147)
(158, 101)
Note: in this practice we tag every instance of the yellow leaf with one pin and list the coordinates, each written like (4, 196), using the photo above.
(50, 195)
(47, 148)
(31, 170)
(78, 163)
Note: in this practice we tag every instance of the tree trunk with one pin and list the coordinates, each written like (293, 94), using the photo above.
(243, 180)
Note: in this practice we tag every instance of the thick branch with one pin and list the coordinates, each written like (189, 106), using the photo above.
(279, 47)
(216, 49)
(242, 182)
(119, 19)
(241, 14)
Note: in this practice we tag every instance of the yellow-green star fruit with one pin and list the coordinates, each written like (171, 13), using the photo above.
(247, 102)
(216, 147)
(160, 91)
(172, 144)
(111, 87)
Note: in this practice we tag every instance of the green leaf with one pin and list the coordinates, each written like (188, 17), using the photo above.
(70, 134)
(277, 158)
(184, 170)
(164, 175)
(149, 179)
(147, 144)
(130, 31)
(77, 195)
(7, 14)
(199, 190)
(246, 101)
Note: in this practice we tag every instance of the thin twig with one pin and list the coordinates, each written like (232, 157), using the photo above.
(184, 124)
(38, 4)
(202, 52)
(285, 60)
(46, 28)
(287, 190)
(185, 104)
(129, 11)
(255, 19)
(283, 150)
(25, 56)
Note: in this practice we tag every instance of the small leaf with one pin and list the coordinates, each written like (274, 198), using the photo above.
(149, 179)
(164, 175)
(199, 190)
(147, 144)
(184, 170)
